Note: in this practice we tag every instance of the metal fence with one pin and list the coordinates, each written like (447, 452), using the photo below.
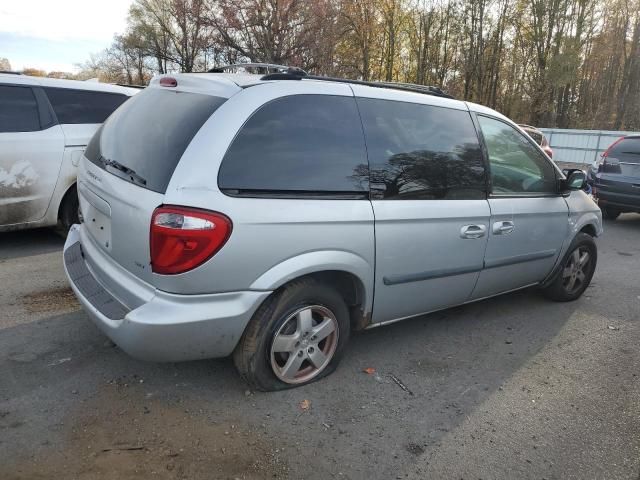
(580, 146)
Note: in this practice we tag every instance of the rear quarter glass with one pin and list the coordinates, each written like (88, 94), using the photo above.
(297, 144)
(150, 132)
(83, 106)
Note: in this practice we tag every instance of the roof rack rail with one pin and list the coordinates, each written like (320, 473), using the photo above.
(294, 74)
(267, 68)
(11, 72)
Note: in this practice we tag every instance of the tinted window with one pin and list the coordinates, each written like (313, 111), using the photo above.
(18, 110)
(83, 106)
(517, 166)
(421, 151)
(310, 144)
(149, 134)
(626, 150)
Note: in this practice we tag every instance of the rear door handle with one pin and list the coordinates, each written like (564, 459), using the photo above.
(473, 231)
(503, 228)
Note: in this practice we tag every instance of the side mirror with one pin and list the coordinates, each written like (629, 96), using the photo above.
(576, 180)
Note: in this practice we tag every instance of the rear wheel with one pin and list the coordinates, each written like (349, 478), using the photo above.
(298, 336)
(68, 213)
(610, 213)
(577, 270)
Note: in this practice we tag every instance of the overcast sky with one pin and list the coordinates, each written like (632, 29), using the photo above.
(57, 34)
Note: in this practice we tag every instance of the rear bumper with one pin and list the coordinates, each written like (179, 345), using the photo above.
(164, 327)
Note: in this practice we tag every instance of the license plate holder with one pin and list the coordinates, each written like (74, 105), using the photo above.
(97, 219)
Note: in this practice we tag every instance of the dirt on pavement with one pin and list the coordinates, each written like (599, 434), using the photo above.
(53, 300)
(121, 433)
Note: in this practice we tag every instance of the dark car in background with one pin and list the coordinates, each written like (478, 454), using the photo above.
(539, 138)
(615, 178)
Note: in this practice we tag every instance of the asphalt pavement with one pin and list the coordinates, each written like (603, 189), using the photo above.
(511, 387)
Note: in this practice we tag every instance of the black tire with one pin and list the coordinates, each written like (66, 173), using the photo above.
(610, 213)
(561, 289)
(253, 356)
(68, 213)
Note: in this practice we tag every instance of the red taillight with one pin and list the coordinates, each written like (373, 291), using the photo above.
(183, 238)
(168, 82)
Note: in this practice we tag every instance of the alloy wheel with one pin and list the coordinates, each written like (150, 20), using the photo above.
(304, 344)
(575, 270)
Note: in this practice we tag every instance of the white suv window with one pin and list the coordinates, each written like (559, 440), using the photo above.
(83, 106)
(517, 167)
(18, 109)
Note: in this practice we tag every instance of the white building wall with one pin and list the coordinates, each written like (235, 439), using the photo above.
(580, 146)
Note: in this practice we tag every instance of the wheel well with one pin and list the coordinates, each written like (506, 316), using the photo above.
(70, 191)
(350, 288)
(589, 230)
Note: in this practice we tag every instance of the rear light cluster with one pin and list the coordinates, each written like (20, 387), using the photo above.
(184, 238)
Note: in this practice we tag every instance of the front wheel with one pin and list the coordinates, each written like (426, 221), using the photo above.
(578, 267)
(296, 337)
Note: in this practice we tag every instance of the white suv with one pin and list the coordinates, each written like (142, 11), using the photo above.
(45, 125)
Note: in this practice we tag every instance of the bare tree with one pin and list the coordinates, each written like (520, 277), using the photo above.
(547, 62)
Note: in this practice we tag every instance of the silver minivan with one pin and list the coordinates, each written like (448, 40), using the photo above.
(269, 216)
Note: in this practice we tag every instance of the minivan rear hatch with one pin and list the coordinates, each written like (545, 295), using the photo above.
(131, 159)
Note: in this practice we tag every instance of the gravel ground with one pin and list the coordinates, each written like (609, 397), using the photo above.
(512, 387)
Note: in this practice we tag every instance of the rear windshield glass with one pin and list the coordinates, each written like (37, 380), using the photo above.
(144, 139)
(627, 150)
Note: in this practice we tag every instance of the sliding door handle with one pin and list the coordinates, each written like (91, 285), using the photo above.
(473, 231)
(503, 228)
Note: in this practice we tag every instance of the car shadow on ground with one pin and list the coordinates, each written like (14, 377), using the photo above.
(30, 242)
(63, 383)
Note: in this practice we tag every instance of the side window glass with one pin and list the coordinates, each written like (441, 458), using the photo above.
(309, 144)
(18, 109)
(422, 151)
(517, 167)
(83, 106)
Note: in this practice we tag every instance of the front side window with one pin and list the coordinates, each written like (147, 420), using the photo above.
(83, 106)
(517, 166)
(422, 152)
(18, 109)
(298, 145)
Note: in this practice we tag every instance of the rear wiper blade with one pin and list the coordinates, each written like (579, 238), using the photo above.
(135, 178)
